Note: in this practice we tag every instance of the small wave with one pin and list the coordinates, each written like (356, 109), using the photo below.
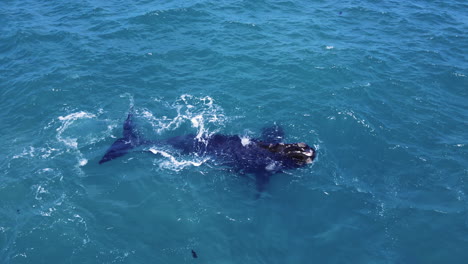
(130, 98)
(165, 16)
(41, 152)
(361, 121)
(25, 153)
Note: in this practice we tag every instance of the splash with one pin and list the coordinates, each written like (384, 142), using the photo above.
(245, 141)
(200, 113)
(173, 163)
(66, 122)
(72, 143)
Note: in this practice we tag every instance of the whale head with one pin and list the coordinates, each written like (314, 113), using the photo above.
(300, 153)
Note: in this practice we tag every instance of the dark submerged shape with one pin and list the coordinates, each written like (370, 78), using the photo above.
(262, 157)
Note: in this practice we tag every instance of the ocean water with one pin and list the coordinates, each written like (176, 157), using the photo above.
(380, 88)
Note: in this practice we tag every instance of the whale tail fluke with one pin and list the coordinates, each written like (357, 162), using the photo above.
(129, 131)
(123, 145)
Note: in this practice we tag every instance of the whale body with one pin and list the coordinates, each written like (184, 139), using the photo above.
(262, 156)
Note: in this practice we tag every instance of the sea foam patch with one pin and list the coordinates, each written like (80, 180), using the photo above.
(72, 142)
(174, 163)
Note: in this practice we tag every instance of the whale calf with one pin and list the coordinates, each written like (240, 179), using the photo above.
(261, 157)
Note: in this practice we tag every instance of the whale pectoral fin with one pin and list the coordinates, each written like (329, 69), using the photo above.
(273, 134)
(261, 181)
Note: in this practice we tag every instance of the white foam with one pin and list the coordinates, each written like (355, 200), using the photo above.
(130, 97)
(48, 151)
(174, 163)
(67, 121)
(272, 166)
(83, 162)
(72, 142)
(359, 120)
(48, 212)
(245, 141)
(197, 122)
(77, 115)
(25, 153)
(39, 190)
(200, 112)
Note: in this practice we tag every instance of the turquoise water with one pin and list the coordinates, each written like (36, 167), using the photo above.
(379, 88)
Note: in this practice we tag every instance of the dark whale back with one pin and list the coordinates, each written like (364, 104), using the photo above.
(251, 156)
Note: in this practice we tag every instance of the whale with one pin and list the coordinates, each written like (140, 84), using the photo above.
(262, 157)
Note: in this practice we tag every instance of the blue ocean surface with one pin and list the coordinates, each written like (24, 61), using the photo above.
(379, 88)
